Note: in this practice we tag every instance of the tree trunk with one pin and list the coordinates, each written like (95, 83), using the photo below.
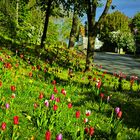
(17, 7)
(46, 24)
(74, 29)
(92, 32)
(15, 32)
(90, 51)
(93, 28)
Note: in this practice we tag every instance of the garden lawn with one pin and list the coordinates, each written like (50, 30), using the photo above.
(39, 101)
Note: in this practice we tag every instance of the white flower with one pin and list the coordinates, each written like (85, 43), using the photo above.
(88, 112)
(85, 120)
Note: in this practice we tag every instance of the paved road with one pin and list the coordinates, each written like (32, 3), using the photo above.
(118, 63)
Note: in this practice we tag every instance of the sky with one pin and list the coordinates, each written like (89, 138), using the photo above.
(128, 7)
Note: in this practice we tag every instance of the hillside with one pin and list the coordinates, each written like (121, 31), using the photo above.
(42, 96)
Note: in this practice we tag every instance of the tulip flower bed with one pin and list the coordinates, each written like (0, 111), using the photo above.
(43, 102)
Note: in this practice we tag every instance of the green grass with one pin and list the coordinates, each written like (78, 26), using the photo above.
(80, 91)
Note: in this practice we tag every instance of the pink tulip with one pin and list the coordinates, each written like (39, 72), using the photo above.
(7, 105)
(59, 137)
(46, 103)
(52, 97)
(117, 110)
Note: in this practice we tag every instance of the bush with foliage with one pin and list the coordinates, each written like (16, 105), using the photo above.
(136, 25)
(123, 40)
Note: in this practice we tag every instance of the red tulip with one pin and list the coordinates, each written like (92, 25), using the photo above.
(8, 65)
(33, 67)
(57, 100)
(13, 95)
(77, 114)
(45, 70)
(9, 56)
(55, 90)
(13, 88)
(48, 135)
(55, 107)
(17, 65)
(100, 66)
(38, 67)
(119, 115)
(70, 105)
(30, 74)
(53, 82)
(63, 91)
(98, 84)
(101, 95)
(35, 105)
(41, 95)
(16, 120)
(86, 130)
(94, 79)
(104, 72)
(91, 131)
(0, 84)
(3, 126)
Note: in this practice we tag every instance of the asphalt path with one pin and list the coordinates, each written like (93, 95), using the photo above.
(112, 62)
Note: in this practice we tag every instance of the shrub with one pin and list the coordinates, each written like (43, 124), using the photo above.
(123, 40)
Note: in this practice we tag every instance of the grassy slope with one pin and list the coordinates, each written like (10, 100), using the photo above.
(82, 96)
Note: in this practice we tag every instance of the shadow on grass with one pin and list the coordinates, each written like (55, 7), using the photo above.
(130, 108)
(88, 97)
(131, 111)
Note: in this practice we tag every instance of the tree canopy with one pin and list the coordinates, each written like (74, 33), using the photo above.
(115, 21)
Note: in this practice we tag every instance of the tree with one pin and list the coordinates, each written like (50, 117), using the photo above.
(7, 17)
(74, 29)
(93, 27)
(10, 16)
(53, 7)
(78, 10)
(48, 12)
(123, 40)
(53, 36)
(136, 21)
(65, 25)
(113, 22)
(136, 27)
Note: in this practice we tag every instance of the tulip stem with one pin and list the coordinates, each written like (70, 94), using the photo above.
(14, 132)
(90, 138)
